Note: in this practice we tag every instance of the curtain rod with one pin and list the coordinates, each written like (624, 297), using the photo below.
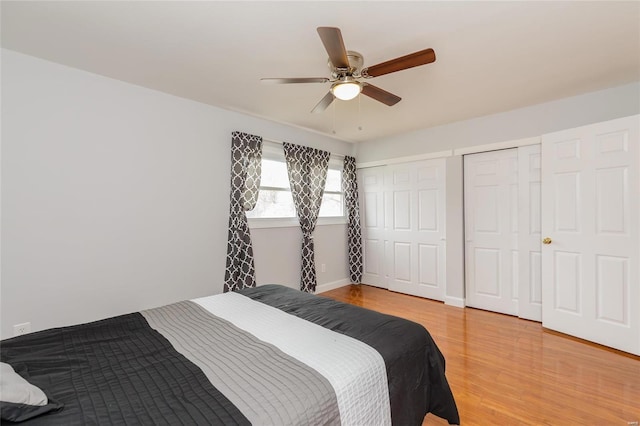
(337, 156)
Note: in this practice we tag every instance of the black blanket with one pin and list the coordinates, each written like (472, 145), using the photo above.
(117, 371)
(122, 371)
(415, 365)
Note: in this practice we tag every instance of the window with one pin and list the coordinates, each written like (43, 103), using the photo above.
(275, 200)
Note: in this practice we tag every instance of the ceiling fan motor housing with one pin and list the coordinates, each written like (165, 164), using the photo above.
(355, 65)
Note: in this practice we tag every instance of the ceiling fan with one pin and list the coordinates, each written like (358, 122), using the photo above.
(347, 72)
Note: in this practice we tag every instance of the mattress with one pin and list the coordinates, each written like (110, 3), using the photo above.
(268, 355)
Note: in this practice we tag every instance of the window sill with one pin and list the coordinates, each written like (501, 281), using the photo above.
(291, 222)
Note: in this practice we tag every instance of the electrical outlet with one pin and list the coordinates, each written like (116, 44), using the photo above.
(23, 328)
(323, 268)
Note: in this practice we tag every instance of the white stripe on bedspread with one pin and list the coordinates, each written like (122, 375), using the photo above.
(355, 370)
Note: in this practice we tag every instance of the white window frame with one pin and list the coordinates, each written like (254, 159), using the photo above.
(274, 151)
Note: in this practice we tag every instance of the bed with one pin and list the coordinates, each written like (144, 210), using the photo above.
(268, 355)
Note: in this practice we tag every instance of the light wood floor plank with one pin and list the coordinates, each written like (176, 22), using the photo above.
(508, 371)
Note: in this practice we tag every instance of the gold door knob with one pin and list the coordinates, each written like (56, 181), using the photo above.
(546, 241)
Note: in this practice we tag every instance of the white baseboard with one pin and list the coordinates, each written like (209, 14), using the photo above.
(321, 288)
(458, 302)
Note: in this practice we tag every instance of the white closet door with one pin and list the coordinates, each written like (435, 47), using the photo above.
(590, 191)
(529, 265)
(415, 209)
(372, 220)
(491, 230)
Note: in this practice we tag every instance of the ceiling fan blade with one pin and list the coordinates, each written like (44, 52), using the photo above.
(324, 103)
(380, 95)
(422, 57)
(332, 39)
(294, 80)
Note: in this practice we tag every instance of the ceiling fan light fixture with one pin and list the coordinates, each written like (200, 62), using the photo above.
(346, 90)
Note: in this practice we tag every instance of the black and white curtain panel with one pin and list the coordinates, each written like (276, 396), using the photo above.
(246, 156)
(354, 235)
(307, 168)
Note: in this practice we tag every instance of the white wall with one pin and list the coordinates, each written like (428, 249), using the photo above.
(115, 198)
(621, 101)
(455, 232)
(280, 262)
(521, 123)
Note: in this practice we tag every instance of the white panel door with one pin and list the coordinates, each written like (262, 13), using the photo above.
(590, 191)
(529, 237)
(491, 230)
(373, 229)
(415, 220)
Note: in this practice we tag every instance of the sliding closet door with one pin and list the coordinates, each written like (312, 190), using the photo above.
(491, 230)
(415, 209)
(529, 236)
(591, 223)
(373, 227)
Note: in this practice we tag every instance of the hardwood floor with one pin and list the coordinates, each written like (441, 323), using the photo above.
(508, 371)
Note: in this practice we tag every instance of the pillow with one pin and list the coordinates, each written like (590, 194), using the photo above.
(19, 399)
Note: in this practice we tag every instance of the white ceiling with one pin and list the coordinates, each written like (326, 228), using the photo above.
(491, 56)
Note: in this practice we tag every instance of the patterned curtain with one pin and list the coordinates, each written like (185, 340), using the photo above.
(246, 156)
(354, 237)
(307, 169)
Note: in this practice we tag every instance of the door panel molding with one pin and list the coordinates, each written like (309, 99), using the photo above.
(591, 213)
(405, 214)
(491, 230)
(529, 236)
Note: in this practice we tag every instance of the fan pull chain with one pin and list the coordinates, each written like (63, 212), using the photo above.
(359, 113)
(334, 117)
